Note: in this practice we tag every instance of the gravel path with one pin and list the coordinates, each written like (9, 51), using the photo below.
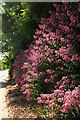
(3, 92)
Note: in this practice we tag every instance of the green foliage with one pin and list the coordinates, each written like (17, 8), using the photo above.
(0, 64)
(2, 67)
(19, 21)
(3, 64)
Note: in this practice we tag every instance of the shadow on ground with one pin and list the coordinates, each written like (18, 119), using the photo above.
(6, 83)
(19, 119)
(2, 84)
(18, 104)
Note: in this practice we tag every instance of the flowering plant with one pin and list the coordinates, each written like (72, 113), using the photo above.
(53, 57)
(64, 102)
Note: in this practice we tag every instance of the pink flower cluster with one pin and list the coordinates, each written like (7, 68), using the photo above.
(52, 58)
(63, 99)
(17, 72)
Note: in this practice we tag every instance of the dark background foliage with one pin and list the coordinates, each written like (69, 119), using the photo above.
(19, 22)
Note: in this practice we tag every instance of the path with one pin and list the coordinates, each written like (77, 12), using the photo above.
(3, 92)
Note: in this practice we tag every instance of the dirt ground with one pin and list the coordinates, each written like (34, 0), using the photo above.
(4, 110)
(19, 107)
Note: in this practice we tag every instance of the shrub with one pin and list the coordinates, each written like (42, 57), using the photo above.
(53, 57)
(64, 102)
